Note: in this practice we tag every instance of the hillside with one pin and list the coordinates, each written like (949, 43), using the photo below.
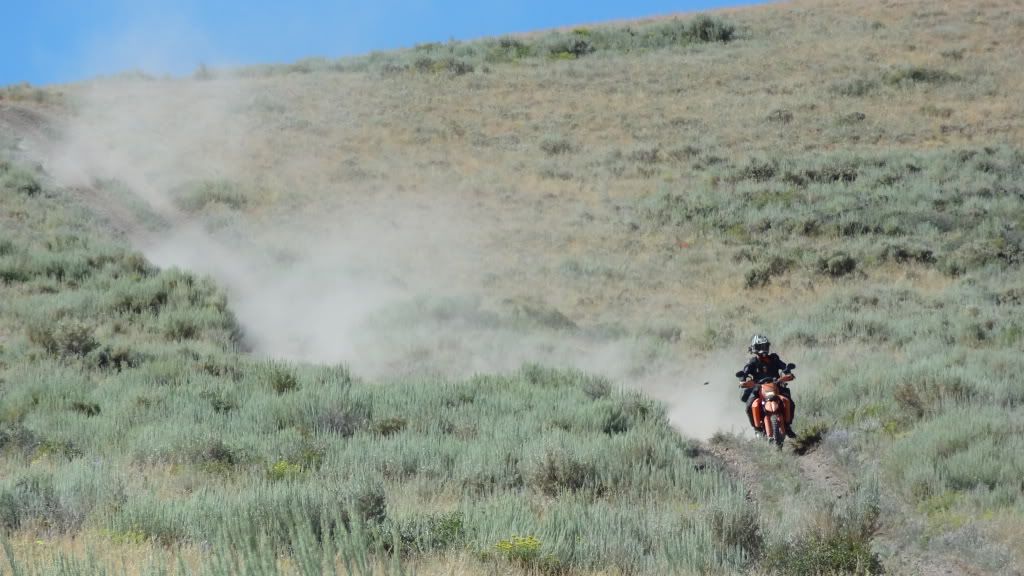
(452, 307)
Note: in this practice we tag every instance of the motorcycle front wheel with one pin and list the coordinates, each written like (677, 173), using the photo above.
(777, 435)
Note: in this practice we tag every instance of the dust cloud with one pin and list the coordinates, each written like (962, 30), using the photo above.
(387, 284)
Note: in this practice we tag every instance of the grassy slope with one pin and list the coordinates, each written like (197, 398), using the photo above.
(664, 183)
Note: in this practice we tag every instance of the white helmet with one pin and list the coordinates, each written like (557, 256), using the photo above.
(759, 345)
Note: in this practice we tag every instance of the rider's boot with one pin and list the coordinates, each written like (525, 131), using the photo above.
(750, 418)
(791, 409)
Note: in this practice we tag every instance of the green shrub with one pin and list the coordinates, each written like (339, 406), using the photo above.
(911, 75)
(536, 312)
(837, 265)
(597, 388)
(13, 271)
(20, 180)
(10, 518)
(216, 452)
(809, 437)
(840, 553)
(706, 28)
(282, 379)
(180, 326)
(86, 408)
(645, 155)
(17, 438)
(369, 502)
(514, 48)
(35, 498)
(556, 145)
(905, 253)
(66, 337)
(117, 357)
(284, 470)
(626, 414)
(220, 402)
(526, 552)
(343, 419)
(560, 470)
(781, 116)
(390, 426)
(761, 275)
(855, 87)
(852, 118)
(577, 47)
(735, 523)
(196, 196)
(433, 532)
(757, 171)
(458, 67)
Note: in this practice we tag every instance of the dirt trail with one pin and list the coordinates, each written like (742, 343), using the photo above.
(814, 465)
(35, 136)
(824, 473)
(31, 130)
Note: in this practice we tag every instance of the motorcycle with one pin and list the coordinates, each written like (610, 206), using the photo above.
(772, 411)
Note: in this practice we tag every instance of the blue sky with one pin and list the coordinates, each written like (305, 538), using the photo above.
(55, 41)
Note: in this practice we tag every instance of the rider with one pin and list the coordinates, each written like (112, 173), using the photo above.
(764, 364)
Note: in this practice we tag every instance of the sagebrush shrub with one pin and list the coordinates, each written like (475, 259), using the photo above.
(910, 75)
(843, 552)
(196, 196)
(86, 408)
(66, 337)
(390, 426)
(217, 452)
(556, 145)
(837, 265)
(597, 388)
(855, 87)
(369, 502)
(706, 28)
(282, 379)
(559, 471)
(180, 327)
(762, 274)
(20, 180)
(344, 419)
(284, 470)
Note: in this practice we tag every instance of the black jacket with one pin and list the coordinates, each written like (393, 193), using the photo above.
(757, 370)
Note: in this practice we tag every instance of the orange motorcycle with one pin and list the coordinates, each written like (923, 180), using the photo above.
(772, 410)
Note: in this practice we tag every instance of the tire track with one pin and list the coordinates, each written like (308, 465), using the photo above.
(822, 472)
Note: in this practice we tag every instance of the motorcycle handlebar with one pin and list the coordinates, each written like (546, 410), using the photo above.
(781, 380)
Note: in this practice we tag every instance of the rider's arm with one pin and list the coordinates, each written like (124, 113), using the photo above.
(782, 366)
(787, 374)
(748, 371)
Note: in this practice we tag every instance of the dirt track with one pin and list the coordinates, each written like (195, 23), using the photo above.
(31, 130)
(821, 471)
